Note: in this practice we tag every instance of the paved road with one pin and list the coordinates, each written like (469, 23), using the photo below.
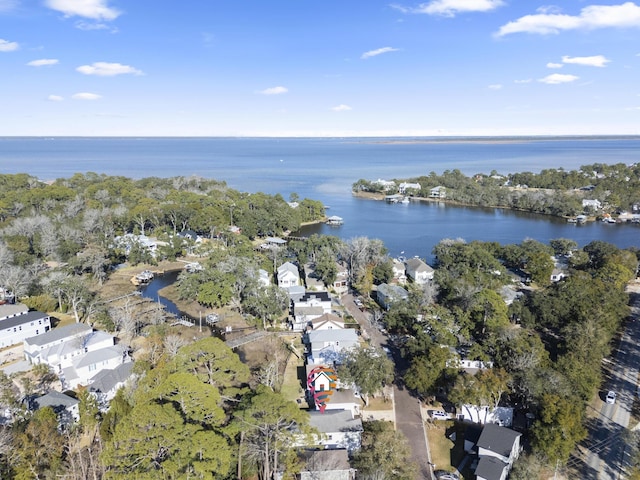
(606, 456)
(407, 407)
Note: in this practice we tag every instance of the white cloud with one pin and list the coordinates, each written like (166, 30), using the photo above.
(86, 96)
(105, 69)
(42, 62)
(495, 86)
(557, 78)
(449, 8)
(554, 65)
(591, 17)
(526, 80)
(379, 51)
(88, 26)
(274, 91)
(94, 9)
(55, 98)
(341, 108)
(7, 46)
(593, 61)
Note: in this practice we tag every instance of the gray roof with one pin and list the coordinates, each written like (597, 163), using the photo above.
(97, 356)
(324, 460)
(490, 468)
(9, 309)
(333, 335)
(107, 380)
(59, 333)
(334, 421)
(288, 267)
(497, 439)
(393, 291)
(55, 399)
(309, 311)
(22, 319)
(418, 265)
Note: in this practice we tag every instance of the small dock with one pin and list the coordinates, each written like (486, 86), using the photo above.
(334, 220)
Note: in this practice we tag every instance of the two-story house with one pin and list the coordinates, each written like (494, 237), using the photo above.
(18, 323)
(498, 448)
(418, 271)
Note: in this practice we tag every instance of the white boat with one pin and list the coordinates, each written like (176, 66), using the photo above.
(405, 200)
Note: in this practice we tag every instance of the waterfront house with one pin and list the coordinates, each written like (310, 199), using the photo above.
(418, 271)
(17, 323)
(406, 188)
(387, 295)
(438, 192)
(288, 275)
(386, 185)
(592, 204)
(36, 348)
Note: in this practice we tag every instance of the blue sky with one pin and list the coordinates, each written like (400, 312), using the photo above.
(330, 68)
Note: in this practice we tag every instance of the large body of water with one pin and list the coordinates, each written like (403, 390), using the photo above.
(325, 168)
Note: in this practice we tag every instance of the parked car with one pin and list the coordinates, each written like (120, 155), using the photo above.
(611, 397)
(440, 415)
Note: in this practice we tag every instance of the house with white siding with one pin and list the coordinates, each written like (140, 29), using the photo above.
(18, 323)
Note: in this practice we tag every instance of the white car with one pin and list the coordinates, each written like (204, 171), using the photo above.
(440, 415)
(611, 397)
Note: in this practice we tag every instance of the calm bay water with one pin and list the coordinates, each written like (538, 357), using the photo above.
(325, 168)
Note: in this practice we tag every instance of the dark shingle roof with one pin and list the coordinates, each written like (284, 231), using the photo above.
(497, 439)
(22, 319)
(490, 468)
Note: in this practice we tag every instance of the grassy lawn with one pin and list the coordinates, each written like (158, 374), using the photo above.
(379, 403)
(439, 445)
(291, 382)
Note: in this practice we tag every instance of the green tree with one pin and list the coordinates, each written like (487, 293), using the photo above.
(40, 447)
(269, 425)
(385, 454)
(369, 368)
(559, 427)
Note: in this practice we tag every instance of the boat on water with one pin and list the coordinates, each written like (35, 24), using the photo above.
(142, 278)
(405, 200)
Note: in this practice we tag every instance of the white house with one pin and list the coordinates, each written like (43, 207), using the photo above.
(404, 187)
(288, 275)
(339, 429)
(327, 321)
(341, 283)
(385, 184)
(75, 352)
(418, 271)
(484, 415)
(498, 448)
(325, 346)
(594, 204)
(309, 307)
(17, 323)
(85, 367)
(34, 346)
(105, 384)
(438, 192)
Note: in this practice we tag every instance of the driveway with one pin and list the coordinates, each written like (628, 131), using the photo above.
(407, 407)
